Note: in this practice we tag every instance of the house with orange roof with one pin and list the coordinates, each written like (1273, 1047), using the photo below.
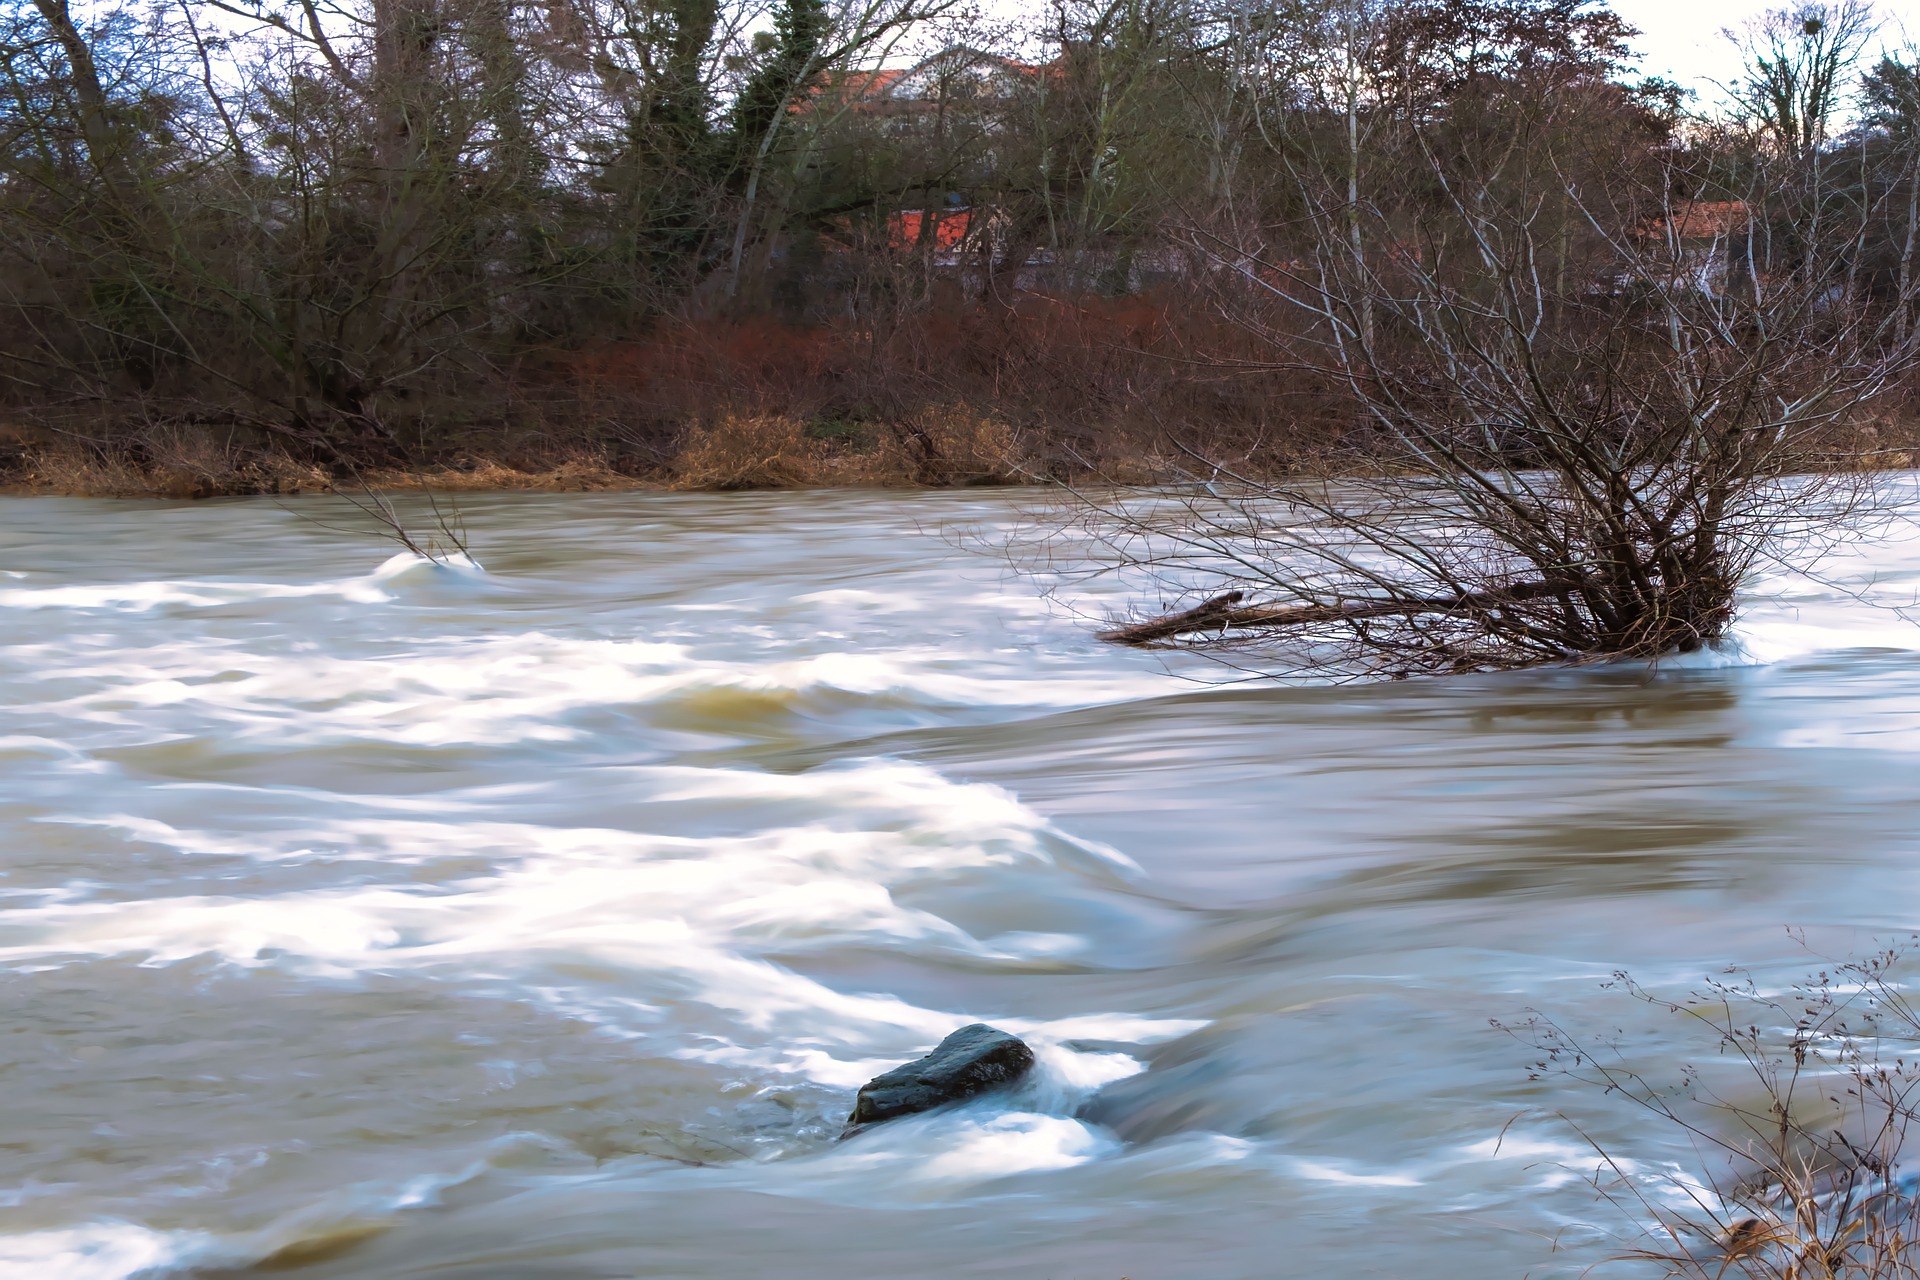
(944, 231)
(956, 76)
(1709, 240)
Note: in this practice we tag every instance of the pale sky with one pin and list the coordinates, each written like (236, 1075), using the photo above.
(1681, 38)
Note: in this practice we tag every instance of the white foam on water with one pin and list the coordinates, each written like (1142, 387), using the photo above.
(943, 1155)
(1343, 1175)
(997, 1145)
(1121, 1028)
(1552, 1162)
(33, 745)
(519, 688)
(441, 567)
(1064, 1078)
(397, 572)
(1767, 640)
(109, 1250)
(654, 922)
(683, 936)
(1479, 1172)
(137, 597)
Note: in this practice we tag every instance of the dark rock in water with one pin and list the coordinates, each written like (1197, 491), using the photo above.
(973, 1060)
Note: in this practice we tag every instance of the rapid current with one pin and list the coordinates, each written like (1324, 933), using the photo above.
(385, 920)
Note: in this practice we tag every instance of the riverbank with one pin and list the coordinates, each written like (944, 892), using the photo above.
(1106, 388)
(1096, 390)
(939, 449)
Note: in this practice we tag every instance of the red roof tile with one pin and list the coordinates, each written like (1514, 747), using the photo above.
(1702, 220)
(905, 228)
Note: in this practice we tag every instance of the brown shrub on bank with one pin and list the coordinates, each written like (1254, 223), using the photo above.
(179, 462)
(1063, 387)
(1799, 1123)
(937, 447)
(953, 445)
(1050, 387)
(1054, 386)
(750, 451)
(577, 473)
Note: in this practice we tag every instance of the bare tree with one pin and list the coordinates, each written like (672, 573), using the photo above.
(1797, 60)
(1890, 101)
(1585, 409)
(810, 43)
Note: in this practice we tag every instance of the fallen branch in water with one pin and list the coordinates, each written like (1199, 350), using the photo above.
(1219, 613)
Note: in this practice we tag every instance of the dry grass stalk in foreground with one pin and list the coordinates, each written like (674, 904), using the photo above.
(1800, 1127)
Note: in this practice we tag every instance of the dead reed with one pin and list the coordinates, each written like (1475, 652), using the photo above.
(1800, 1124)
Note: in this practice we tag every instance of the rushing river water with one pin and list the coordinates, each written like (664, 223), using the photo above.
(377, 920)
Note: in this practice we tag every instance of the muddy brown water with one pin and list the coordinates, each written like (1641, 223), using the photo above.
(365, 919)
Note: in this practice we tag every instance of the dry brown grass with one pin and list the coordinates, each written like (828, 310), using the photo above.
(1799, 1119)
(176, 463)
(585, 473)
(800, 429)
(751, 451)
(952, 445)
(935, 447)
